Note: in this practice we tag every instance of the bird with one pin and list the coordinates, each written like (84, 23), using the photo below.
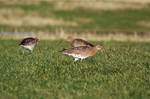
(79, 42)
(29, 43)
(81, 52)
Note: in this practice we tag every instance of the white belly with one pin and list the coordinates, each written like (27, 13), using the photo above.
(78, 56)
(29, 47)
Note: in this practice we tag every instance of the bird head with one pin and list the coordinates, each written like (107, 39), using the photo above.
(99, 47)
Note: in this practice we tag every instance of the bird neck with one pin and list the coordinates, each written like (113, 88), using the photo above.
(94, 51)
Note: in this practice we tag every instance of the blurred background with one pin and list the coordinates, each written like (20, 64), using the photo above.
(90, 19)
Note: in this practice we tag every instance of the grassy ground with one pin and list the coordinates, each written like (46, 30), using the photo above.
(50, 15)
(121, 72)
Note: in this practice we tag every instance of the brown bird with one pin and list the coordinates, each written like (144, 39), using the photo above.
(79, 42)
(29, 43)
(82, 52)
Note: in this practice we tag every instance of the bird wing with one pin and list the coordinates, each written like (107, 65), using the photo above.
(81, 42)
(76, 50)
(27, 41)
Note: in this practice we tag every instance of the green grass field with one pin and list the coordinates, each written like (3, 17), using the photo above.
(122, 71)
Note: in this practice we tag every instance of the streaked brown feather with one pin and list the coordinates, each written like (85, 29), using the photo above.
(81, 50)
(28, 41)
(80, 42)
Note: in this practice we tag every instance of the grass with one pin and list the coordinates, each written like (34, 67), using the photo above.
(122, 71)
(100, 20)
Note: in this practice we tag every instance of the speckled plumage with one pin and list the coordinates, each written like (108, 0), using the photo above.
(81, 52)
(28, 43)
(80, 42)
(75, 42)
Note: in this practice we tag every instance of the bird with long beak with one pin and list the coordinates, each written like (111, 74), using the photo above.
(29, 43)
(82, 52)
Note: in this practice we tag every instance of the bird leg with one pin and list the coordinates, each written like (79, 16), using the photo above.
(29, 51)
(82, 59)
(76, 59)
